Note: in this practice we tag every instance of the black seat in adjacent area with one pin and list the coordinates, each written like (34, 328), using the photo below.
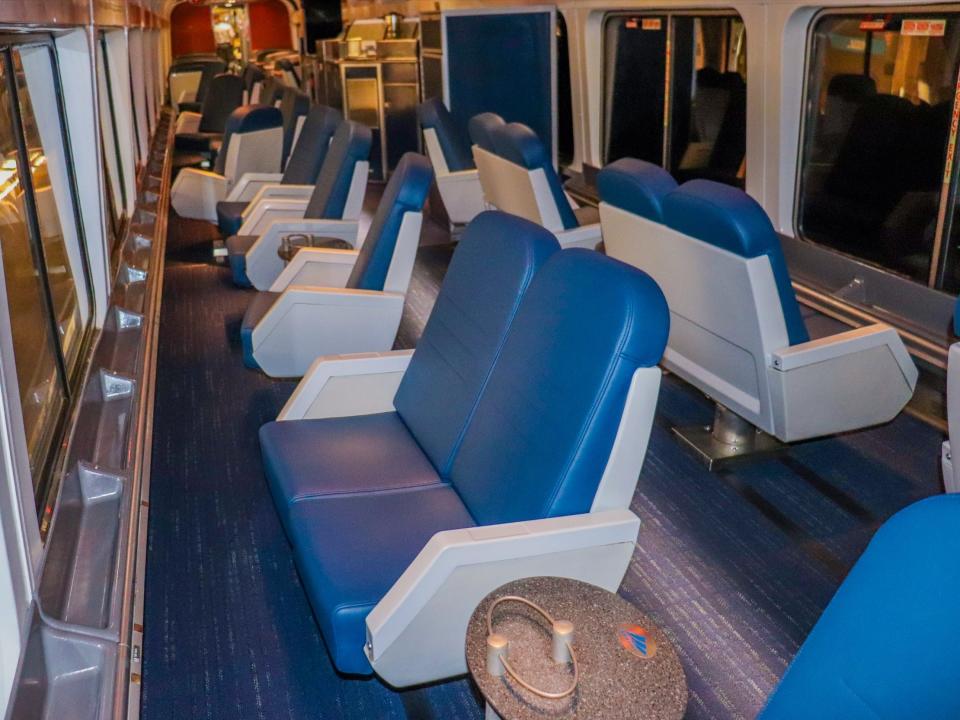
(223, 97)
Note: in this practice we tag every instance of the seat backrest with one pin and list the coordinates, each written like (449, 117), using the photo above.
(252, 74)
(223, 97)
(294, 105)
(728, 218)
(636, 186)
(310, 150)
(480, 127)
(350, 145)
(210, 69)
(406, 192)
(520, 145)
(434, 116)
(545, 424)
(896, 602)
(491, 270)
(271, 91)
(243, 120)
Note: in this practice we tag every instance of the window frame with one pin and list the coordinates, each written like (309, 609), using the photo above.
(668, 13)
(939, 250)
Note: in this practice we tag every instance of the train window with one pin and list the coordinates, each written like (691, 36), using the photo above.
(880, 93)
(564, 97)
(112, 157)
(60, 269)
(675, 93)
(42, 389)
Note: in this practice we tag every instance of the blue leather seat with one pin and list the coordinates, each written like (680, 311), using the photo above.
(636, 186)
(433, 114)
(350, 144)
(209, 68)
(223, 96)
(886, 645)
(406, 192)
(730, 219)
(245, 119)
(302, 167)
(531, 443)
(495, 261)
(480, 127)
(520, 145)
(293, 106)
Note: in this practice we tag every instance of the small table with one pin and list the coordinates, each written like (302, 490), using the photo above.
(627, 666)
(290, 245)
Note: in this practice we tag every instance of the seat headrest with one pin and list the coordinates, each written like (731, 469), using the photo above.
(349, 145)
(495, 261)
(480, 127)
(520, 145)
(546, 422)
(312, 145)
(636, 186)
(406, 192)
(728, 218)
(246, 119)
(224, 94)
(517, 143)
(851, 87)
(433, 114)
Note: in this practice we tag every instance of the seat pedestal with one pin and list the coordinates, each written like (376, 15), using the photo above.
(730, 438)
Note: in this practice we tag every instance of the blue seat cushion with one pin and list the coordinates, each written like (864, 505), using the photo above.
(305, 459)
(730, 219)
(230, 216)
(480, 127)
(258, 307)
(544, 427)
(237, 247)
(406, 192)
(886, 645)
(494, 263)
(433, 114)
(349, 145)
(350, 549)
(520, 145)
(246, 119)
(636, 186)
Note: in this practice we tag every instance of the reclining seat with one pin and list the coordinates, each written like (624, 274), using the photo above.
(897, 602)
(189, 79)
(457, 178)
(736, 329)
(515, 461)
(271, 92)
(298, 177)
(294, 106)
(199, 132)
(307, 313)
(253, 77)
(528, 186)
(251, 144)
(951, 470)
(480, 127)
(332, 210)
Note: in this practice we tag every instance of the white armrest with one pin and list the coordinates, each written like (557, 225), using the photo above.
(263, 263)
(462, 195)
(843, 382)
(346, 385)
(195, 194)
(276, 190)
(245, 189)
(258, 216)
(416, 632)
(586, 236)
(317, 267)
(188, 122)
(306, 323)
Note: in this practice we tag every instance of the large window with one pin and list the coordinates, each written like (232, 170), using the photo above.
(43, 265)
(116, 190)
(675, 93)
(881, 89)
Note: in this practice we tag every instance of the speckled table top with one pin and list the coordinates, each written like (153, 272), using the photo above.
(628, 668)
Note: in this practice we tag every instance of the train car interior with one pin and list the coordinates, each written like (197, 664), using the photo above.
(420, 360)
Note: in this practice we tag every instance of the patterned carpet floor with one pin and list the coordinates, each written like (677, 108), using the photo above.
(736, 566)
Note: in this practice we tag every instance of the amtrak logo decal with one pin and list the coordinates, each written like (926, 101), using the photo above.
(635, 640)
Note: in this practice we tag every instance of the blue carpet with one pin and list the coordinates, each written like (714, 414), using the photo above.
(736, 566)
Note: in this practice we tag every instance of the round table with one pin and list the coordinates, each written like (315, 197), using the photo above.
(627, 666)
